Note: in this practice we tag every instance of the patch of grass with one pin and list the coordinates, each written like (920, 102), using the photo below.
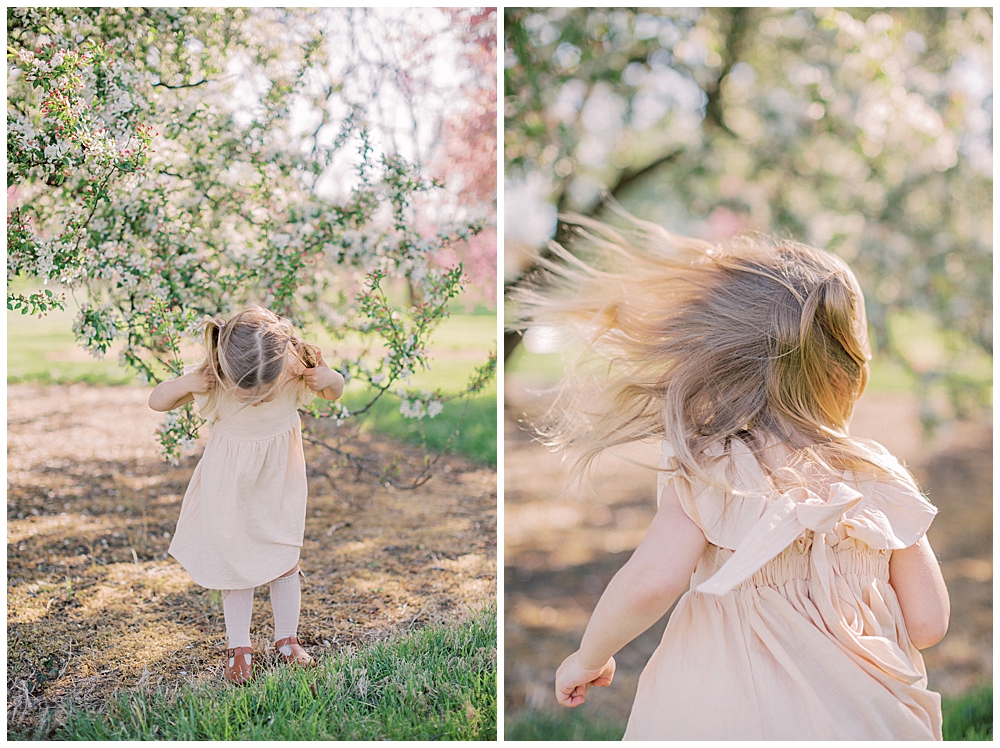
(545, 368)
(476, 441)
(967, 717)
(457, 346)
(888, 376)
(928, 345)
(970, 716)
(44, 351)
(479, 309)
(574, 724)
(437, 683)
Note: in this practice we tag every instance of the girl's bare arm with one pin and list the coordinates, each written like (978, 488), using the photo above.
(638, 596)
(176, 392)
(916, 578)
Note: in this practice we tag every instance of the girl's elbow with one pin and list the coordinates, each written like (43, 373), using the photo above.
(927, 620)
(156, 403)
(163, 401)
(928, 632)
(335, 390)
(652, 590)
(331, 393)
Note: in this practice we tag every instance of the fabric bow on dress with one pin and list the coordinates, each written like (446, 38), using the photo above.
(792, 514)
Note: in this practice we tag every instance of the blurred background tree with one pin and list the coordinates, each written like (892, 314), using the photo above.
(467, 150)
(867, 132)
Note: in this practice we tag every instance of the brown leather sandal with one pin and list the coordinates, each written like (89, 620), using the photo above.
(239, 665)
(290, 651)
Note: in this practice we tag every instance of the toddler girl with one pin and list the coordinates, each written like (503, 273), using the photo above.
(812, 584)
(243, 515)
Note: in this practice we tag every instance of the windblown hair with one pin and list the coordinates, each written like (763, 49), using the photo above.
(756, 338)
(250, 353)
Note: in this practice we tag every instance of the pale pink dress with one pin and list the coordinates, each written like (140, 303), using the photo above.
(243, 516)
(798, 634)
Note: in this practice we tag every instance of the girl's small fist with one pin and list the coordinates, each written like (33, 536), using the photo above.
(573, 680)
(202, 381)
(320, 376)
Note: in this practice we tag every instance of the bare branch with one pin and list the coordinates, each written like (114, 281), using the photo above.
(182, 85)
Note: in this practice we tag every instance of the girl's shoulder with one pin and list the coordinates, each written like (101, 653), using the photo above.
(728, 506)
(891, 513)
(894, 513)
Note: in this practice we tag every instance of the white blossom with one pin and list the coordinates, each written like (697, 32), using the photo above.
(412, 408)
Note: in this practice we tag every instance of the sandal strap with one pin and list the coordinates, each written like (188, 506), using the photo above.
(239, 665)
(302, 657)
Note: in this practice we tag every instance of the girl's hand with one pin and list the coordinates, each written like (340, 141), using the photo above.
(324, 380)
(201, 381)
(573, 679)
(320, 376)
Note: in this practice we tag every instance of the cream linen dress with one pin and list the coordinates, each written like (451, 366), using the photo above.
(790, 630)
(243, 515)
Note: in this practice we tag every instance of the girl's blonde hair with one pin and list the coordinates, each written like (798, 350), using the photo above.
(249, 352)
(697, 343)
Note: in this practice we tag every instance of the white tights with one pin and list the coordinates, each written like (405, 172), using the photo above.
(286, 598)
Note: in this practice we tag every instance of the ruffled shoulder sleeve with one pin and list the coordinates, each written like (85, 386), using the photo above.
(725, 516)
(892, 515)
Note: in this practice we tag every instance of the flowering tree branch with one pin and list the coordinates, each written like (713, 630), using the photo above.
(224, 212)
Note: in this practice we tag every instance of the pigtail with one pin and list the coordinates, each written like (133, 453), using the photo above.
(307, 353)
(830, 371)
(211, 338)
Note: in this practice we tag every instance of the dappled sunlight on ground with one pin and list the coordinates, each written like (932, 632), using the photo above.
(95, 604)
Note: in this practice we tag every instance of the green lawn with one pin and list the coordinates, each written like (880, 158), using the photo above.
(42, 349)
(569, 724)
(474, 418)
(438, 683)
(968, 717)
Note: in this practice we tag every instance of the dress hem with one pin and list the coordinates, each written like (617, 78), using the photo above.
(270, 578)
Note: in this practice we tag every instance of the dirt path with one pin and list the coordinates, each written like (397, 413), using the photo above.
(95, 604)
(560, 552)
